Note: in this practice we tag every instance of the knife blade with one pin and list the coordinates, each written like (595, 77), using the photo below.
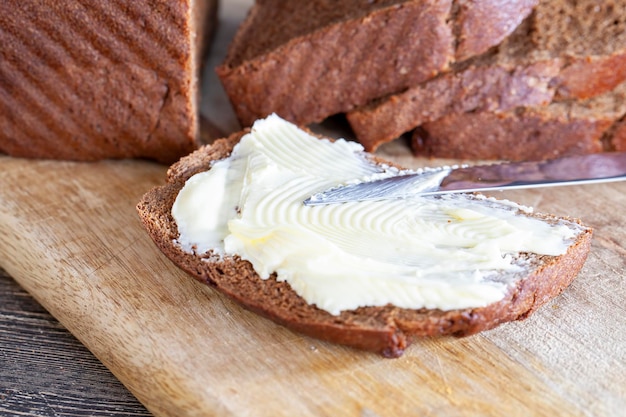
(579, 169)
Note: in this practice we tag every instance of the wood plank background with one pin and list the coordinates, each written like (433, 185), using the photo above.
(46, 371)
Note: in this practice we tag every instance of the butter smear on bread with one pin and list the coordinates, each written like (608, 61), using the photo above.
(445, 252)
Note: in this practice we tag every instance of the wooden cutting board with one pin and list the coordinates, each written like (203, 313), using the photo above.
(69, 234)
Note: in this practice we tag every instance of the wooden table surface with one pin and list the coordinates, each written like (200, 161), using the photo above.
(46, 371)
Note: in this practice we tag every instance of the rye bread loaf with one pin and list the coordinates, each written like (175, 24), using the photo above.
(570, 127)
(387, 330)
(564, 50)
(88, 80)
(308, 60)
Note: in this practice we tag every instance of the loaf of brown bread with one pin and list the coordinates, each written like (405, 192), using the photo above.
(570, 127)
(564, 50)
(308, 60)
(384, 329)
(88, 80)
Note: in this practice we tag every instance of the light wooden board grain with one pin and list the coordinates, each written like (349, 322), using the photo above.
(69, 235)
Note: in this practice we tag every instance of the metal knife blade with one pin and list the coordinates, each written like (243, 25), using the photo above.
(582, 169)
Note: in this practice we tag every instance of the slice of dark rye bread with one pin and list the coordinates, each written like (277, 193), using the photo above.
(387, 330)
(89, 80)
(306, 61)
(564, 50)
(562, 128)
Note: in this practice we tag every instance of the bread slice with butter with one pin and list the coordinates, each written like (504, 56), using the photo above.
(373, 276)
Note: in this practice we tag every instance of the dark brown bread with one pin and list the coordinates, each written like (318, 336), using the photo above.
(563, 50)
(618, 135)
(387, 330)
(479, 25)
(88, 80)
(308, 60)
(563, 128)
(476, 89)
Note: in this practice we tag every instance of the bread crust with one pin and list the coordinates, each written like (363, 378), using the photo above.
(483, 24)
(387, 330)
(573, 127)
(514, 136)
(95, 80)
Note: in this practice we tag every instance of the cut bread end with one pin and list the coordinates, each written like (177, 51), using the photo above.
(128, 90)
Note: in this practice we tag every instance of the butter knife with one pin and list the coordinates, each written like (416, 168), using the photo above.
(581, 169)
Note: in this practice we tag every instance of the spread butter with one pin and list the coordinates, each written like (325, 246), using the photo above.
(445, 252)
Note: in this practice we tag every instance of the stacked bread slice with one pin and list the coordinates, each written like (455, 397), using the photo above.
(553, 87)
(551, 84)
(309, 60)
